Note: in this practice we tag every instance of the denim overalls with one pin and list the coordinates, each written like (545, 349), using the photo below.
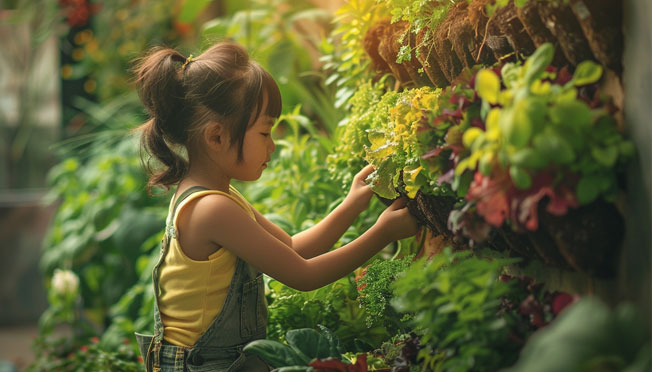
(243, 318)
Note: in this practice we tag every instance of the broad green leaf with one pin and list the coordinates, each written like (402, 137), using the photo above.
(587, 72)
(381, 180)
(274, 353)
(571, 113)
(538, 62)
(520, 177)
(487, 84)
(309, 342)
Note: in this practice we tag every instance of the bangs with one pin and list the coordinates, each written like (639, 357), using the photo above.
(274, 102)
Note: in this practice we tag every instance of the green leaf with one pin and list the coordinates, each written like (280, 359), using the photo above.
(274, 353)
(520, 177)
(571, 113)
(588, 189)
(528, 158)
(334, 343)
(587, 72)
(606, 156)
(554, 148)
(309, 342)
(487, 84)
(538, 62)
(516, 129)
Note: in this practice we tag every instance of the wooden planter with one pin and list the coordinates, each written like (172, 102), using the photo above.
(587, 239)
(560, 20)
(602, 23)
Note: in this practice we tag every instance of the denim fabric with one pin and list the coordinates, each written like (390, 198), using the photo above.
(219, 349)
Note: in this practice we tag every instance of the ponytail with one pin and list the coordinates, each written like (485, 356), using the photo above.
(160, 89)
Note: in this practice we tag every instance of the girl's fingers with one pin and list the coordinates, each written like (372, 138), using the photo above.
(366, 171)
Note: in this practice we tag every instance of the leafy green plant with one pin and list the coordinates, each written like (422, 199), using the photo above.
(456, 301)
(370, 107)
(374, 288)
(102, 221)
(589, 336)
(92, 355)
(307, 350)
(547, 134)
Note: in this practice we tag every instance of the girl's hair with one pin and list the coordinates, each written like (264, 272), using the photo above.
(183, 95)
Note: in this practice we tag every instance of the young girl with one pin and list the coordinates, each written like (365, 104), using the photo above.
(211, 118)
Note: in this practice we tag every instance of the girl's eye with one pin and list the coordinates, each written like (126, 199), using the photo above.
(265, 134)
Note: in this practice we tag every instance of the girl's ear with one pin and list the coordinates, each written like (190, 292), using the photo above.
(215, 135)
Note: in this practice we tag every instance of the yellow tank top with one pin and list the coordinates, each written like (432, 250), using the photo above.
(193, 292)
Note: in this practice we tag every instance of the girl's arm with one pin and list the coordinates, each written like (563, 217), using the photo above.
(321, 237)
(222, 222)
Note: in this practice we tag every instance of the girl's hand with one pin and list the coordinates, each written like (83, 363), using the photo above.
(397, 222)
(360, 193)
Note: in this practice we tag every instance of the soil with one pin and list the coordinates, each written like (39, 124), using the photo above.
(602, 24)
(429, 59)
(561, 22)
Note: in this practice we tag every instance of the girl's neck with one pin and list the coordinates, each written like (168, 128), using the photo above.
(206, 175)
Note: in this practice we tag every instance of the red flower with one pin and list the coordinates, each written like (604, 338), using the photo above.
(561, 301)
(83, 348)
(95, 340)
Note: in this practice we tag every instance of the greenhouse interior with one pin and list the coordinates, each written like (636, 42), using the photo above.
(324, 186)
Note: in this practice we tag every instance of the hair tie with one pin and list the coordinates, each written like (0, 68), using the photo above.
(188, 60)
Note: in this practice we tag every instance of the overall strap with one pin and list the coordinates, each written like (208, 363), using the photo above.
(165, 244)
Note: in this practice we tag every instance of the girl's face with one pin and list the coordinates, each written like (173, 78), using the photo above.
(256, 150)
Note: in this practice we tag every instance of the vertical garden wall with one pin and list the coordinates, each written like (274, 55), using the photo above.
(517, 130)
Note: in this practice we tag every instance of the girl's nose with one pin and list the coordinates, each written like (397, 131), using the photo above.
(272, 146)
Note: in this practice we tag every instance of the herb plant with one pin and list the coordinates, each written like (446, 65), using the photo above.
(456, 305)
